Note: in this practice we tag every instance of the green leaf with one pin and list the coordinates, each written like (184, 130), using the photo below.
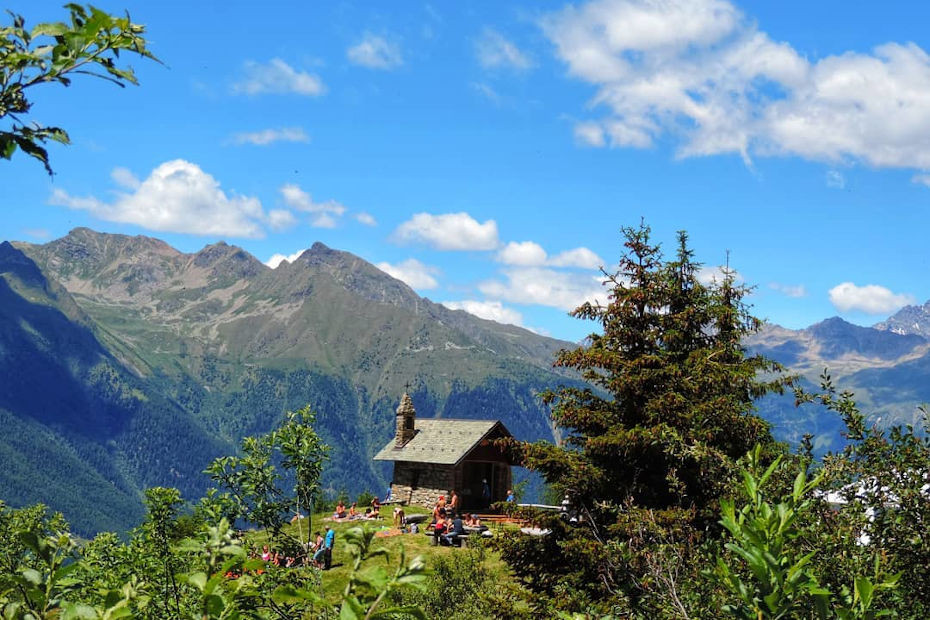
(32, 576)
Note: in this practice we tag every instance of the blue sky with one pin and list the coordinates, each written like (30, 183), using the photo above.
(489, 153)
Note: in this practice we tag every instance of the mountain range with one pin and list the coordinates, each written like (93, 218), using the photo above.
(127, 364)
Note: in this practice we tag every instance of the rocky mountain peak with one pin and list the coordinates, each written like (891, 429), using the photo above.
(909, 320)
(838, 338)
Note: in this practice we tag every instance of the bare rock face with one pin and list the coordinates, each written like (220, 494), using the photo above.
(913, 320)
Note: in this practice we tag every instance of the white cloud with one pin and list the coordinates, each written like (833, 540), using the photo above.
(366, 218)
(546, 287)
(269, 136)
(709, 275)
(835, 179)
(494, 51)
(125, 178)
(583, 258)
(449, 231)
(531, 254)
(524, 253)
(590, 134)
(281, 219)
(921, 179)
(871, 298)
(790, 290)
(701, 72)
(323, 220)
(413, 273)
(277, 259)
(278, 77)
(176, 197)
(375, 52)
(324, 214)
(491, 310)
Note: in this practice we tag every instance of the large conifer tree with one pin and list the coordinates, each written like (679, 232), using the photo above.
(668, 412)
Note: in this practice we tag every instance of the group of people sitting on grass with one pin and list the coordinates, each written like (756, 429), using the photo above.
(352, 514)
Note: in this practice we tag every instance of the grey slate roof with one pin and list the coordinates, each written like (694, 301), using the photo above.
(444, 441)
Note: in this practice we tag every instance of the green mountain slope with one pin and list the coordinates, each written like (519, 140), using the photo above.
(81, 433)
(221, 346)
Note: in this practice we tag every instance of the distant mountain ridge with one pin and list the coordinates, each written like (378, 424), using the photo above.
(888, 371)
(218, 345)
(127, 363)
(913, 320)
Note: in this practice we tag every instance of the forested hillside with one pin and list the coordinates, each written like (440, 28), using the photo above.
(141, 363)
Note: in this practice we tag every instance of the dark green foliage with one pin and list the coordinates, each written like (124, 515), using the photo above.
(657, 433)
(881, 479)
(460, 586)
(252, 485)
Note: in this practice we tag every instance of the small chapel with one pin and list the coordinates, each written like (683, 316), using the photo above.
(433, 457)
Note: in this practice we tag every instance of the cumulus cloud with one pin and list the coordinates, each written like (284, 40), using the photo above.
(277, 259)
(412, 272)
(709, 275)
(281, 219)
(449, 231)
(583, 258)
(494, 51)
(525, 253)
(531, 254)
(789, 290)
(546, 287)
(706, 75)
(277, 77)
(178, 196)
(590, 134)
(270, 136)
(491, 310)
(871, 298)
(366, 218)
(125, 178)
(323, 214)
(375, 52)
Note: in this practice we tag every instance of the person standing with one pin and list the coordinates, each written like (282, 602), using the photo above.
(329, 541)
(485, 492)
(454, 503)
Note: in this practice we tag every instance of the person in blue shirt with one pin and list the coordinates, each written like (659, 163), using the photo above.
(510, 496)
(457, 529)
(328, 542)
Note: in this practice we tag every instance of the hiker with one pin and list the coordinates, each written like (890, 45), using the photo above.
(454, 503)
(328, 542)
